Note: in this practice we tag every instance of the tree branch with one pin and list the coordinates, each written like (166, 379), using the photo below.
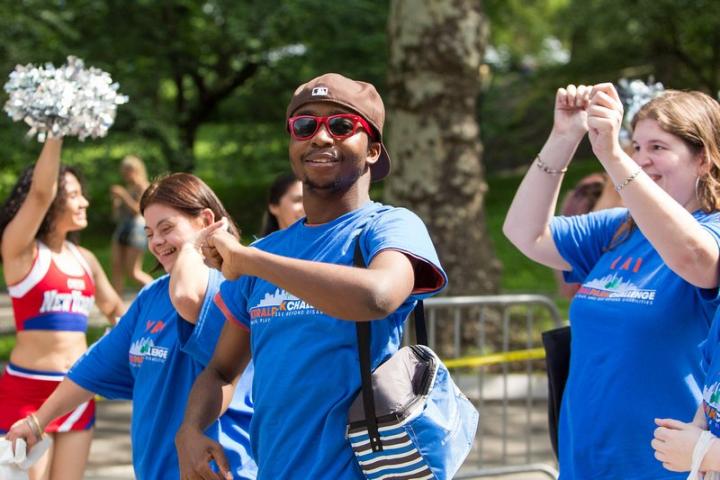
(209, 101)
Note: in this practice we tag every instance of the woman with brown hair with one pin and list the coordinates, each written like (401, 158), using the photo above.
(53, 284)
(648, 272)
(156, 351)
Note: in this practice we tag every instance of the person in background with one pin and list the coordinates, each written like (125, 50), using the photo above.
(53, 284)
(128, 240)
(285, 205)
(649, 272)
(592, 193)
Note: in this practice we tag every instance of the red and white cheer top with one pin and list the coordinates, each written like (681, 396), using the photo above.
(49, 298)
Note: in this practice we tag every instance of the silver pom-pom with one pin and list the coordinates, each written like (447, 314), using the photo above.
(67, 101)
(634, 94)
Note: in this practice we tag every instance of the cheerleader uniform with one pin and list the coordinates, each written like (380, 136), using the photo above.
(47, 299)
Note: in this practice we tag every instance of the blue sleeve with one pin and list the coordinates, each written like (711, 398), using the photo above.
(232, 300)
(712, 224)
(706, 351)
(582, 239)
(199, 340)
(711, 296)
(711, 300)
(402, 230)
(104, 368)
(710, 344)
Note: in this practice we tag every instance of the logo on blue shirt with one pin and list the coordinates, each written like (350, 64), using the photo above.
(613, 287)
(711, 401)
(279, 304)
(145, 349)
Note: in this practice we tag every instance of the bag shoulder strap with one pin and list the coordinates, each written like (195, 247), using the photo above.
(364, 342)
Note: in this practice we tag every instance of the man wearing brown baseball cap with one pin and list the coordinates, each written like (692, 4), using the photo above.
(360, 97)
(297, 294)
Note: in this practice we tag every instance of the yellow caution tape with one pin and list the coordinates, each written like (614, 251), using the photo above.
(495, 358)
(479, 361)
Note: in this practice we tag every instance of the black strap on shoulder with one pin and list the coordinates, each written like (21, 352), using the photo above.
(364, 342)
(421, 335)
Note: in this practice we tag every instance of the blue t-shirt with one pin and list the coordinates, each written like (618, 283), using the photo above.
(711, 391)
(153, 357)
(307, 362)
(636, 328)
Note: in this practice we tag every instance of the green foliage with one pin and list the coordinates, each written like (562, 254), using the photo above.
(7, 342)
(209, 81)
(519, 29)
(678, 42)
(675, 42)
(520, 274)
(186, 63)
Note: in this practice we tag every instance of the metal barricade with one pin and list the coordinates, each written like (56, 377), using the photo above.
(493, 347)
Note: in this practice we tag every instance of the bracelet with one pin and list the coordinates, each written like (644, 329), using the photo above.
(627, 180)
(551, 171)
(34, 424)
(703, 444)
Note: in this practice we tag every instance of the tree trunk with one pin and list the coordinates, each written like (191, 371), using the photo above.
(436, 51)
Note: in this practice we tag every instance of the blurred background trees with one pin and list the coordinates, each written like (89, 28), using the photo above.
(209, 81)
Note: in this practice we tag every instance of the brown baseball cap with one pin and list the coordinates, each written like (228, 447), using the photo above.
(360, 97)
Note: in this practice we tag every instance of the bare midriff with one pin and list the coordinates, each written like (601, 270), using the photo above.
(47, 350)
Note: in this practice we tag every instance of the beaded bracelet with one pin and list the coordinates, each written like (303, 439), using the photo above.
(627, 180)
(541, 165)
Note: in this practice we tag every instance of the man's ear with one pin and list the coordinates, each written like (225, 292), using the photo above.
(373, 152)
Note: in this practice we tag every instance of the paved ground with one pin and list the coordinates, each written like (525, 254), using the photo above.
(522, 422)
(110, 457)
(110, 454)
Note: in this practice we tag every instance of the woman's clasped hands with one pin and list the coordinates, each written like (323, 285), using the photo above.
(596, 110)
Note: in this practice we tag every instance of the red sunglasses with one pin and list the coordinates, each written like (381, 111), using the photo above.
(340, 126)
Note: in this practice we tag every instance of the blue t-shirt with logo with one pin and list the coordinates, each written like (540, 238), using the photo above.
(307, 362)
(636, 328)
(153, 357)
(711, 391)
